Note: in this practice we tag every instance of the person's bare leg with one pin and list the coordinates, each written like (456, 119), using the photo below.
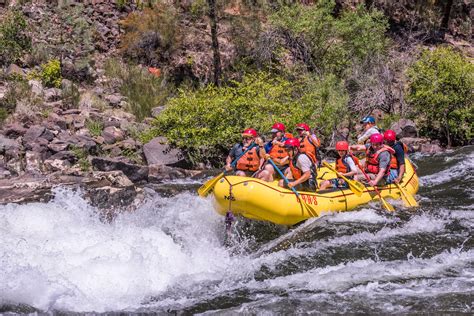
(267, 173)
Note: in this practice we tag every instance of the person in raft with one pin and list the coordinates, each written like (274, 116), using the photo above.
(397, 164)
(377, 164)
(369, 129)
(275, 149)
(345, 165)
(249, 154)
(301, 169)
(309, 142)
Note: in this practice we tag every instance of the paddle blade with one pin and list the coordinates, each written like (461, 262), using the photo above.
(355, 188)
(389, 207)
(208, 185)
(407, 198)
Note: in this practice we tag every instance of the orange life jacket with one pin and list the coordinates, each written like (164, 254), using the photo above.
(342, 166)
(250, 161)
(278, 152)
(393, 160)
(297, 172)
(307, 147)
(372, 163)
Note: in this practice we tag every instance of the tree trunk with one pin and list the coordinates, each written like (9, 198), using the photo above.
(446, 15)
(215, 42)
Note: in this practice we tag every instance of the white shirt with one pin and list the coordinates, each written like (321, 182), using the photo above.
(303, 163)
(366, 135)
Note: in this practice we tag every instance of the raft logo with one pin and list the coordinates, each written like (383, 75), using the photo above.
(229, 197)
(309, 199)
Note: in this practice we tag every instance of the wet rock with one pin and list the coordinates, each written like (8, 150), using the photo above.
(14, 130)
(135, 173)
(405, 128)
(431, 148)
(158, 152)
(158, 173)
(112, 134)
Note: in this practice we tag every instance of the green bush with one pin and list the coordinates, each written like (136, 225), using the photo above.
(14, 41)
(143, 90)
(206, 122)
(51, 73)
(328, 43)
(441, 93)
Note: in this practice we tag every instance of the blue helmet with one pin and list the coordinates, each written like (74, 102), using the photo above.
(368, 119)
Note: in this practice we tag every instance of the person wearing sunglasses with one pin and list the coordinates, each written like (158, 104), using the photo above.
(249, 154)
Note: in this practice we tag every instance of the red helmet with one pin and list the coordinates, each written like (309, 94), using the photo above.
(342, 145)
(376, 138)
(250, 132)
(278, 127)
(390, 135)
(292, 142)
(303, 126)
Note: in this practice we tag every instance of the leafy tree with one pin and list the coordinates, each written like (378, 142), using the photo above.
(14, 40)
(204, 123)
(441, 92)
(326, 43)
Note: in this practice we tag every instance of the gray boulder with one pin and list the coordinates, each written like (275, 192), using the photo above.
(157, 152)
(135, 173)
(405, 128)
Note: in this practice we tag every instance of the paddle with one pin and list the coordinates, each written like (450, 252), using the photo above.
(408, 199)
(355, 186)
(308, 208)
(209, 184)
(387, 205)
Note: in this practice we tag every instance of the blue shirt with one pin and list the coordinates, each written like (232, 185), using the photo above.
(268, 146)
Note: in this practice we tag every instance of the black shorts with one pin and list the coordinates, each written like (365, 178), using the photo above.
(309, 186)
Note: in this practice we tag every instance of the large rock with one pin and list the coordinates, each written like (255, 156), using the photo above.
(14, 70)
(7, 144)
(52, 94)
(405, 128)
(135, 173)
(36, 87)
(112, 135)
(14, 130)
(33, 133)
(157, 152)
(158, 173)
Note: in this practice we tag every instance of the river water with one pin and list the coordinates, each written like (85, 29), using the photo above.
(168, 256)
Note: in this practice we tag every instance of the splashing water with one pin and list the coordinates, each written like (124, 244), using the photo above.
(168, 255)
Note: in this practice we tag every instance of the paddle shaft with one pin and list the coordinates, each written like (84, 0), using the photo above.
(368, 180)
(283, 177)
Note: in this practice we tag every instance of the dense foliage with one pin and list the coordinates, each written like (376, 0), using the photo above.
(14, 40)
(441, 92)
(206, 122)
(332, 44)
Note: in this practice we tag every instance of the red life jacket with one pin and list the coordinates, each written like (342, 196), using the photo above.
(278, 152)
(342, 166)
(297, 172)
(250, 161)
(393, 160)
(372, 163)
(307, 147)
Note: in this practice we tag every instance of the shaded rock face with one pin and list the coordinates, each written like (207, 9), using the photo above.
(422, 145)
(158, 152)
(106, 190)
(135, 173)
(405, 128)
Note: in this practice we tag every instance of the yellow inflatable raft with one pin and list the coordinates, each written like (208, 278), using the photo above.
(260, 200)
